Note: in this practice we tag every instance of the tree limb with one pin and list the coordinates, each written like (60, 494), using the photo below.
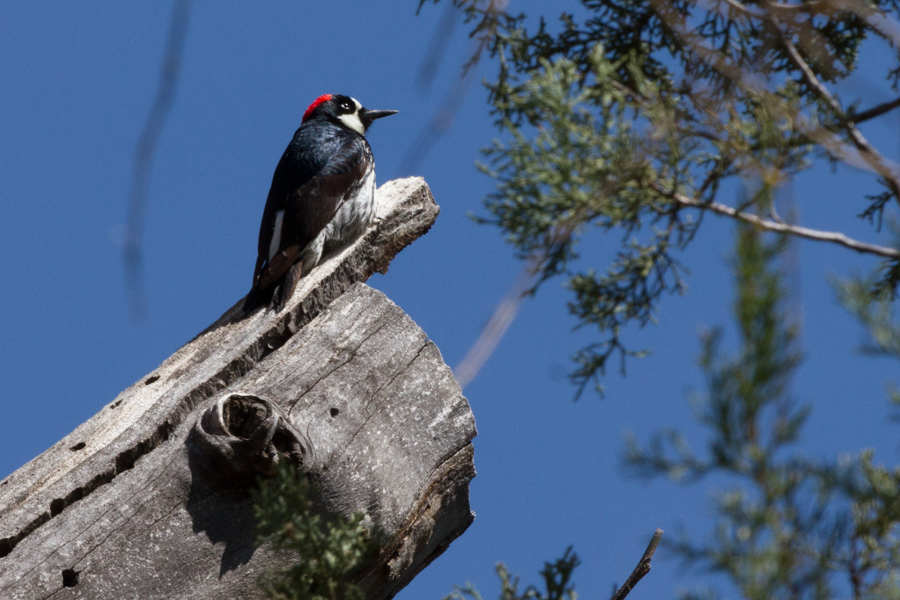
(804, 232)
(641, 569)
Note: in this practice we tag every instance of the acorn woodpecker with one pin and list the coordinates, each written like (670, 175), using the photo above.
(322, 196)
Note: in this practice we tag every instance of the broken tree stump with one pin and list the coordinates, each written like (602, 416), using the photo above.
(150, 497)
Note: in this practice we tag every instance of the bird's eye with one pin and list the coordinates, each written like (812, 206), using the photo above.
(345, 106)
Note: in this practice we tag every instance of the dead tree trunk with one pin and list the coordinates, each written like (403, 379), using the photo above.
(150, 497)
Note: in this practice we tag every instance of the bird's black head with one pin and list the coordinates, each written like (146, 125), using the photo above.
(344, 111)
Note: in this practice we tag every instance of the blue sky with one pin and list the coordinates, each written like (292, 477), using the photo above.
(77, 82)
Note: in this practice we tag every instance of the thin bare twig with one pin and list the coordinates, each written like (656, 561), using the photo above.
(642, 568)
(780, 227)
(875, 111)
(146, 147)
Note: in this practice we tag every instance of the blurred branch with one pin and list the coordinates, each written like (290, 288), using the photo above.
(437, 126)
(866, 150)
(506, 310)
(781, 227)
(875, 18)
(641, 569)
(493, 332)
(446, 112)
(146, 147)
(438, 48)
(859, 152)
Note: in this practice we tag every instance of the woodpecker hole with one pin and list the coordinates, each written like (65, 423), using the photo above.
(151, 379)
(57, 506)
(335, 412)
(78, 446)
(115, 404)
(70, 578)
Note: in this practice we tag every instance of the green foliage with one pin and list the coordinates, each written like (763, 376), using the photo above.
(557, 582)
(635, 116)
(790, 527)
(877, 316)
(328, 551)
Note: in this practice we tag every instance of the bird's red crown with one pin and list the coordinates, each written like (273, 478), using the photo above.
(315, 104)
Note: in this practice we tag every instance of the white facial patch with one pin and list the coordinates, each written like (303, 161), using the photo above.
(276, 235)
(352, 121)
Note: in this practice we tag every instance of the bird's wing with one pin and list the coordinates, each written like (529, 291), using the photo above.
(307, 210)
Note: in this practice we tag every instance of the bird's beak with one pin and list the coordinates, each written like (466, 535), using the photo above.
(367, 116)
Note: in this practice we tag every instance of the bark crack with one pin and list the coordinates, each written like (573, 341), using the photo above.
(382, 386)
(351, 355)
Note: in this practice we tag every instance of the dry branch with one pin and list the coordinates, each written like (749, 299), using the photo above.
(642, 568)
(817, 235)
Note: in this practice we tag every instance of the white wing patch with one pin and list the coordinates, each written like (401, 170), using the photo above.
(275, 244)
(352, 121)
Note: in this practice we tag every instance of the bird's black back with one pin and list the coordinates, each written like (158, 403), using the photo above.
(321, 164)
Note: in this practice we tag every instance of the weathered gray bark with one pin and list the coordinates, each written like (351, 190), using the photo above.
(150, 497)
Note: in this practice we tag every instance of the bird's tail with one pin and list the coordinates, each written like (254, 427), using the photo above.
(287, 286)
(256, 298)
(276, 296)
